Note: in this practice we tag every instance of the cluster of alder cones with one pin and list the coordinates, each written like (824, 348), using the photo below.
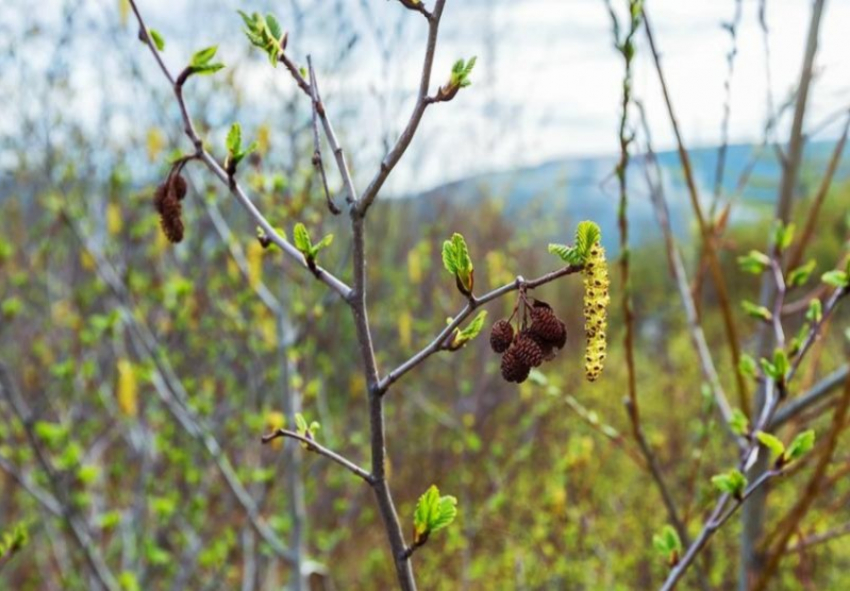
(530, 345)
(167, 200)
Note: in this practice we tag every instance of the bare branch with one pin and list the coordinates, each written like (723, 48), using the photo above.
(818, 392)
(317, 147)
(422, 102)
(321, 450)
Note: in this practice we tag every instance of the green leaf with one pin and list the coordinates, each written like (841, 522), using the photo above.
(274, 27)
(202, 57)
(800, 446)
(326, 241)
(780, 362)
(456, 260)
(207, 69)
(732, 482)
(234, 139)
(302, 239)
(801, 274)
(815, 311)
(837, 279)
(667, 541)
(739, 423)
(755, 262)
(747, 365)
(783, 236)
(568, 254)
(461, 337)
(756, 311)
(772, 443)
(587, 234)
(157, 39)
(433, 512)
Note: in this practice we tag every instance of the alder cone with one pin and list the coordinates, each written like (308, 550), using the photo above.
(501, 336)
(170, 215)
(513, 368)
(178, 185)
(159, 197)
(527, 349)
(546, 327)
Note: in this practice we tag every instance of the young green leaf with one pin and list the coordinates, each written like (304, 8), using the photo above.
(157, 39)
(772, 443)
(756, 311)
(568, 254)
(755, 262)
(200, 62)
(815, 311)
(433, 512)
(839, 279)
(668, 544)
(747, 365)
(461, 337)
(739, 423)
(783, 236)
(732, 482)
(800, 446)
(456, 260)
(801, 274)
(587, 234)
(234, 139)
(301, 239)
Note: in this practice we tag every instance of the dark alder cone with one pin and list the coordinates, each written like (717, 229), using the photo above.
(547, 327)
(501, 336)
(170, 219)
(513, 368)
(527, 350)
(178, 185)
(159, 197)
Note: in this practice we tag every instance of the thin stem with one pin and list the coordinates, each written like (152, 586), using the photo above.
(318, 164)
(321, 450)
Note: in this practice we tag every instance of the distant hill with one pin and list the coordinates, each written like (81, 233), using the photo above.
(566, 191)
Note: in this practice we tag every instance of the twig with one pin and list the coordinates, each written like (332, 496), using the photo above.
(677, 270)
(321, 450)
(804, 401)
(439, 341)
(317, 149)
(422, 102)
(814, 211)
(820, 538)
(719, 516)
(707, 238)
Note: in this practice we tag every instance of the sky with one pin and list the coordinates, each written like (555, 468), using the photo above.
(546, 86)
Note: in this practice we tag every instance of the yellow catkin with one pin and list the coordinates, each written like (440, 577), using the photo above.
(596, 300)
(128, 388)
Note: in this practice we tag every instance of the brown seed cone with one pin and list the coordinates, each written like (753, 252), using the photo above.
(513, 368)
(158, 197)
(501, 336)
(178, 185)
(547, 327)
(170, 212)
(527, 350)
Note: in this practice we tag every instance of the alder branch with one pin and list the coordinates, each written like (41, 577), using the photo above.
(813, 540)
(422, 102)
(317, 148)
(321, 450)
(815, 394)
(719, 516)
(440, 341)
(236, 190)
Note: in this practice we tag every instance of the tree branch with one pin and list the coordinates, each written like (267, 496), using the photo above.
(321, 450)
(439, 342)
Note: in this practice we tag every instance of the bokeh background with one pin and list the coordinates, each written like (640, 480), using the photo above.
(145, 373)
